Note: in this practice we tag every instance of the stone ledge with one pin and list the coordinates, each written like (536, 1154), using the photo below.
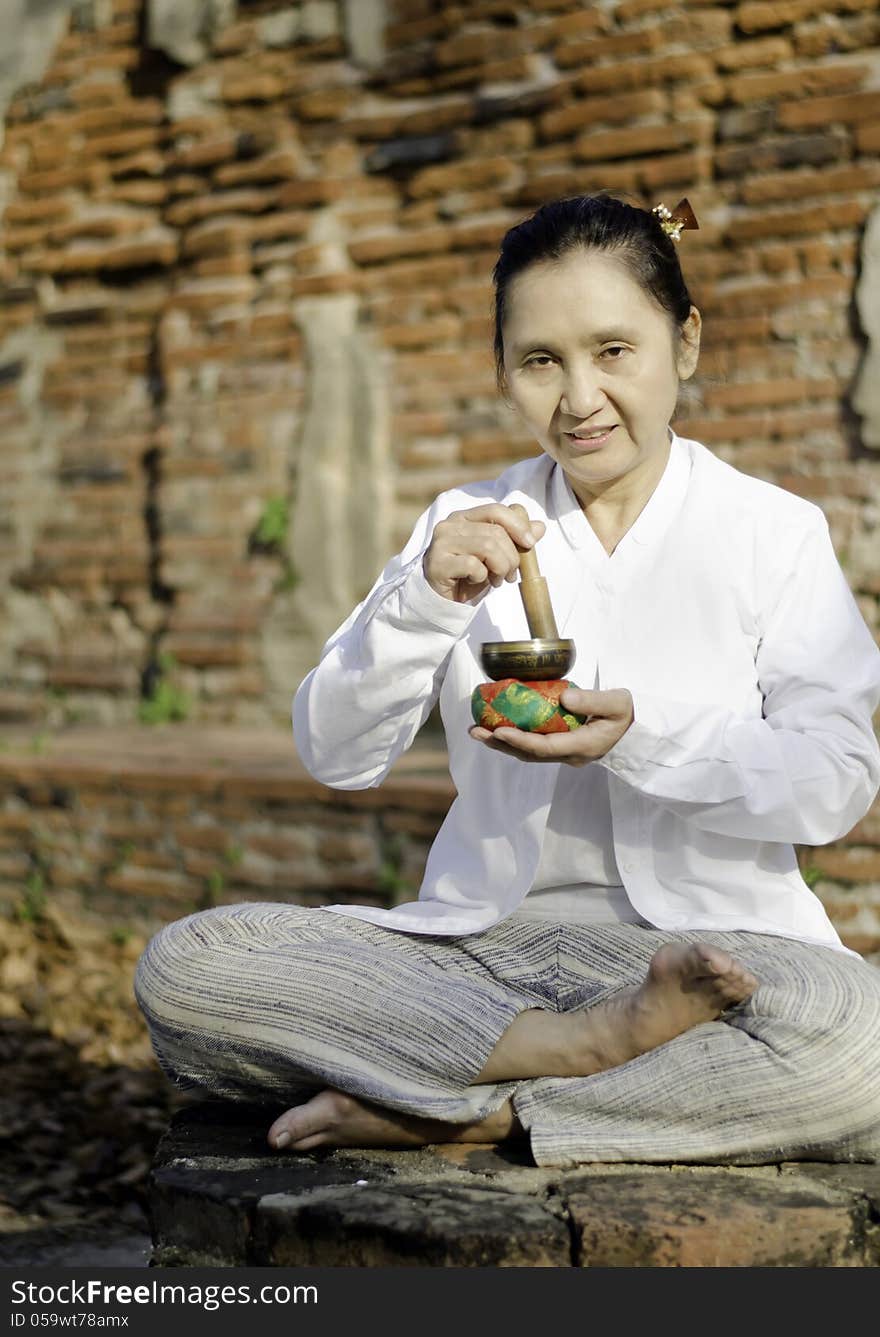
(212, 762)
(219, 1198)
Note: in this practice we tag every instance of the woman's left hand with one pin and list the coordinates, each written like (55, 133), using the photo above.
(610, 715)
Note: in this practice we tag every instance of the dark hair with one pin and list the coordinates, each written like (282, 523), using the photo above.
(593, 222)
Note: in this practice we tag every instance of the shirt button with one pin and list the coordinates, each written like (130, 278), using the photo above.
(630, 865)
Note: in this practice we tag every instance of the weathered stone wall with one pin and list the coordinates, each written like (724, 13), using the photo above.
(244, 315)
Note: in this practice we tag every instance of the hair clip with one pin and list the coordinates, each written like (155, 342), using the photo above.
(677, 220)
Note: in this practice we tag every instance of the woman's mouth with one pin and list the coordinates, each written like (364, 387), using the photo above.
(592, 442)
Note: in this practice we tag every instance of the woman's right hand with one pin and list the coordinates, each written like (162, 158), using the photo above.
(471, 550)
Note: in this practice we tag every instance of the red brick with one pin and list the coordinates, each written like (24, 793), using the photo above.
(252, 88)
(421, 334)
(107, 226)
(851, 109)
(54, 209)
(517, 70)
(821, 218)
(278, 166)
(311, 191)
(698, 28)
(429, 241)
(710, 1219)
(601, 111)
(773, 296)
(149, 162)
(89, 176)
(867, 137)
(673, 169)
(770, 51)
(218, 236)
(131, 112)
(764, 14)
(864, 943)
(823, 79)
(123, 141)
(314, 284)
(139, 192)
(488, 447)
(468, 48)
(189, 211)
(588, 19)
(634, 9)
(759, 393)
(407, 33)
(206, 152)
(459, 176)
(646, 73)
(778, 186)
(848, 865)
(641, 139)
(595, 49)
(176, 887)
(145, 250)
(553, 185)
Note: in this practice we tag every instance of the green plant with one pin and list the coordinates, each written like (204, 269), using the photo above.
(120, 936)
(123, 854)
(271, 528)
(811, 874)
(287, 581)
(32, 905)
(167, 702)
(233, 855)
(214, 885)
(390, 877)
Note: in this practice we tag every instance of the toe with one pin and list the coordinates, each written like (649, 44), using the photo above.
(295, 1124)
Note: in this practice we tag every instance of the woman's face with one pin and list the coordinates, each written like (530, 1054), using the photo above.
(588, 354)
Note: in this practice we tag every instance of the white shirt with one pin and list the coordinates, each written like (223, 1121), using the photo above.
(577, 877)
(754, 678)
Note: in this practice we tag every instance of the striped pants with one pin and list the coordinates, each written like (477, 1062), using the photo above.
(270, 1003)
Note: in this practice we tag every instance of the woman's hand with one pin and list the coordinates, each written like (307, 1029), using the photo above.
(471, 550)
(610, 715)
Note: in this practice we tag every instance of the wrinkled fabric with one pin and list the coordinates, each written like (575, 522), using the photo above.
(271, 1003)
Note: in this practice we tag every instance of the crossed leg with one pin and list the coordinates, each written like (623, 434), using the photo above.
(686, 984)
(380, 1039)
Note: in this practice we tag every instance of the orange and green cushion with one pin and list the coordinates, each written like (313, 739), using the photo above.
(531, 706)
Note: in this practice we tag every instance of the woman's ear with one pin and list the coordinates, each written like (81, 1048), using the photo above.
(689, 344)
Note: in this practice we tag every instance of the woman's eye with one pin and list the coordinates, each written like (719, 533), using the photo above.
(614, 349)
(542, 360)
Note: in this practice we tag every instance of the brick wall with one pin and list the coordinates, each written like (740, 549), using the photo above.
(189, 236)
(171, 232)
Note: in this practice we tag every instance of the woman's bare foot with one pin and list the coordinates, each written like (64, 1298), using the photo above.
(686, 984)
(334, 1119)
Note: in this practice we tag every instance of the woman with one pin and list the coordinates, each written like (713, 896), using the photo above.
(613, 950)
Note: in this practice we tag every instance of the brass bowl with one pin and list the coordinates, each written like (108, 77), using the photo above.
(529, 661)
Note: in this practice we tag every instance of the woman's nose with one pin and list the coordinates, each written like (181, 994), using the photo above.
(582, 393)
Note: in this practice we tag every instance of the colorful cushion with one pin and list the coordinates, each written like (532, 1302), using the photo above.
(531, 706)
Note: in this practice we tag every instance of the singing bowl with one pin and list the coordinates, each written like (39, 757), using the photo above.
(530, 661)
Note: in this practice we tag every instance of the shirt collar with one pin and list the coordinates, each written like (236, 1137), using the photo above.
(655, 517)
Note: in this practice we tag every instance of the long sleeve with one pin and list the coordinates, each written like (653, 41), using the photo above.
(809, 768)
(379, 674)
